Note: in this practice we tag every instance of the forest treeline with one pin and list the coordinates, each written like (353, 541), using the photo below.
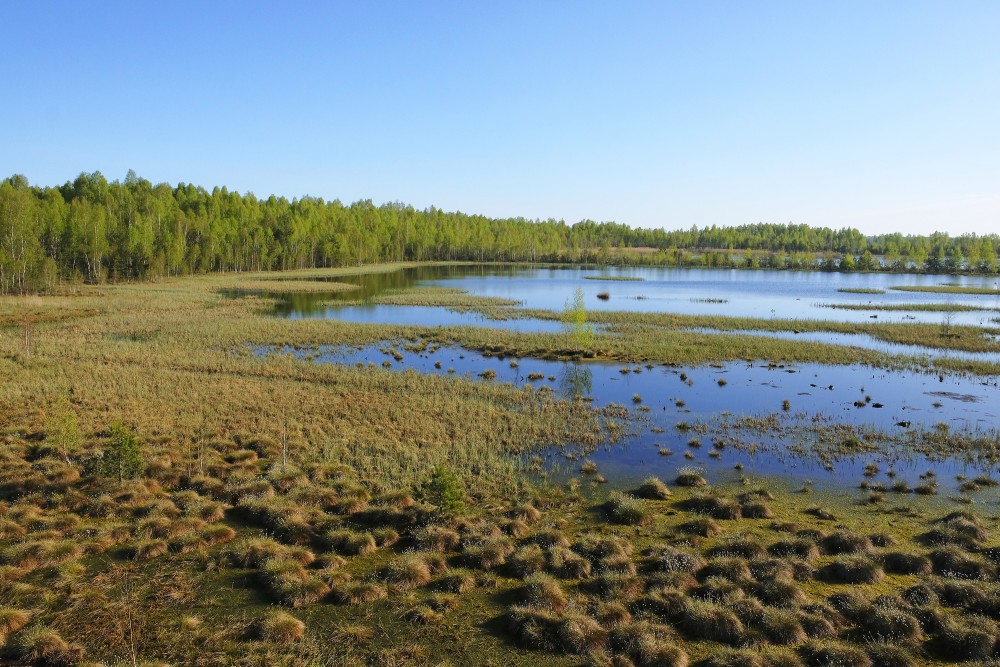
(92, 230)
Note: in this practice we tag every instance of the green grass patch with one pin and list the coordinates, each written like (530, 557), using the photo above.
(861, 290)
(947, 289)
(914, 307)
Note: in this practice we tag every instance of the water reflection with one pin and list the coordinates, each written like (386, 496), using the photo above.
(576, 380)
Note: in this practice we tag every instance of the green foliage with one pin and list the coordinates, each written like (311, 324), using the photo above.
(574, 318)
(122, 456)
(94, 230)
(445, 490)
(62, 431)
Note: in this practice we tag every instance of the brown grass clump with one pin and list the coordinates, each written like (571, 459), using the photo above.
(920, 595)
(782, 626)
(653, 489)
(255, 552)
(900, 562)
(526, 512)
(217, 534)
(966, 594)
(45, 647)
(150, 549)
(615, 586)
(969, 638)
(542, 590)
(667, 603)
(350, 543)
(357, 592)
(301, 554)
(951, 561)
(42, 553)
(735, 658)
(568, 564)
(960, 528)
(626, 510)
(820, 621)
(487, 553)
(352, 635)
(768, 569)
(437, 538)
(527, 560)
(702, 526)
(742, 547)
(385, 537)
(688, 477)
(648, 645)
(444, 602)
(713, 622)
(12, 620)
(515, 528)
(408, 572)
(281, 627)
(291, 583)
(422, 615)
(714, 504)
(550, 538)
(733, 569)
(756, 510)
(890, 655)
(457, 582)
(612, 614)
(833, 654)
(602, 547)
(779, 592)
(665, 558)
(853, 570)
(845, 542)
(795, 548)
(719, 589)
(888, 623)
(9, 529)
(570, 632)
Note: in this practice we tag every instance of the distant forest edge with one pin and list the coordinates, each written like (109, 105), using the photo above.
(91, 230)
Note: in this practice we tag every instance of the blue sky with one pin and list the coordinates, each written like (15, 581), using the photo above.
(883, 116)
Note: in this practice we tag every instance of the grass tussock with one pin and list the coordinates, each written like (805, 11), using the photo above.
(653, 488)
(853, 570)
(570, 632)
(628, 510)
(281, 627)
(44, 646)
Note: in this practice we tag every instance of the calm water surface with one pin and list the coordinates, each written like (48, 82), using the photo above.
(664, 398)
(777, 294)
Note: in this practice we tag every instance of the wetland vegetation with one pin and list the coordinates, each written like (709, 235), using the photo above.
(240, 469)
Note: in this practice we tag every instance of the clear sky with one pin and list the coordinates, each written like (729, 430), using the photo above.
(881, 115)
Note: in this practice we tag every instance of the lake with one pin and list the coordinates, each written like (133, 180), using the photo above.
(684, 411)
(778, 294)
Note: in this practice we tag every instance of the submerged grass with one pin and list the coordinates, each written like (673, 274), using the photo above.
(615, 278)
(915, 307)
(861, 290)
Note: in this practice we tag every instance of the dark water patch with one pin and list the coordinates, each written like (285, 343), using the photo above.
(963, 398)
